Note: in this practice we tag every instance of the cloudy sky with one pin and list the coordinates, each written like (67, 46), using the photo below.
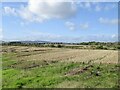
(59, 21)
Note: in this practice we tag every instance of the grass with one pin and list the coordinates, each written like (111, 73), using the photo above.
(52, 75)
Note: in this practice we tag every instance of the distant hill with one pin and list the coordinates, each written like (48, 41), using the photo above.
(34, 41)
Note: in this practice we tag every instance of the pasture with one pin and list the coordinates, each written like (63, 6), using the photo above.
(46, 67)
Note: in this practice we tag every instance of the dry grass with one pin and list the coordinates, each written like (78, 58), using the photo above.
(59, 54)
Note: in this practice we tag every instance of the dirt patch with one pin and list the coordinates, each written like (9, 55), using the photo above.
(78, 70)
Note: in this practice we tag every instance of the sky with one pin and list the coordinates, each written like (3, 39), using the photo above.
(59, 21)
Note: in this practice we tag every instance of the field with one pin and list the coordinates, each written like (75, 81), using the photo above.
(46, 67)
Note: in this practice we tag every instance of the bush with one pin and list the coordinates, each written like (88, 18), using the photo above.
(105, 48)
(118, 47)
(99, 47)
(59, 46)
(52, 45)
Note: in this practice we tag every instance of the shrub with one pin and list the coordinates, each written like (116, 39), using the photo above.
(105, 48)
(59, 46)
(99, 47)
(52, 45)
(118, 47)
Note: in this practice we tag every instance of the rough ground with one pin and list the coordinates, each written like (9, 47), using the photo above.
(53, 54)
(35, 67)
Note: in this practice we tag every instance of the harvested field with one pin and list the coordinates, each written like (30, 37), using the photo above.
(75, 55)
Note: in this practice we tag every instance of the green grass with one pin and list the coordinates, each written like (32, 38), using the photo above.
(52, 75)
